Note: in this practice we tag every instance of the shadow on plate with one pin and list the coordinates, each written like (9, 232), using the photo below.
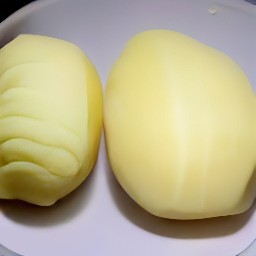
(184, 229)
(62, 211)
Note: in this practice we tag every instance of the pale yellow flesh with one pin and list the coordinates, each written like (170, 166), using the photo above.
(50, 118)
(179, 121)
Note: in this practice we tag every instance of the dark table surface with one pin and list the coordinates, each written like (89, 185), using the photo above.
(9, 6)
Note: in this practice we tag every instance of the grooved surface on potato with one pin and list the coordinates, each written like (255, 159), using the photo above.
(180, 127)
(46, 116)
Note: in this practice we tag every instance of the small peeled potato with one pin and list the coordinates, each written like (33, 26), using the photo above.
(180, 122)
(50, 118)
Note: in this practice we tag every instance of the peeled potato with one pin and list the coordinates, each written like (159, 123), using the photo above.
(179, 121)
(50, 118)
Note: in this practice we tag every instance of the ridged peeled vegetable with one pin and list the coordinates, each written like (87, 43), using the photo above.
(50, 118)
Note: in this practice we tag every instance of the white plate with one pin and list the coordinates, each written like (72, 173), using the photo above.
(99, 218)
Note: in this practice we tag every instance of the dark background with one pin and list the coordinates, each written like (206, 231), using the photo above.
(10, 6)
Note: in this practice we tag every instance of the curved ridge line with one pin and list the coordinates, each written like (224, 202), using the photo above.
(22, 64)
(39, 120)
(42, 144)
(32, 163)
(2, 93)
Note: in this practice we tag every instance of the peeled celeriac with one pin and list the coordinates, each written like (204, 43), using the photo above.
(179, 120)
(50, 118)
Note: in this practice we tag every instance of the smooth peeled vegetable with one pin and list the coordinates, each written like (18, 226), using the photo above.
(180, 122)
(50, 118)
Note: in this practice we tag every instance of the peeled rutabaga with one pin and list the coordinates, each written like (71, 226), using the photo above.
(50, 118)
(179, 121)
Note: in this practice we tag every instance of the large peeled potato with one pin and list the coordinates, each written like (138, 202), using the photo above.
(50, 118)
(180, 127)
